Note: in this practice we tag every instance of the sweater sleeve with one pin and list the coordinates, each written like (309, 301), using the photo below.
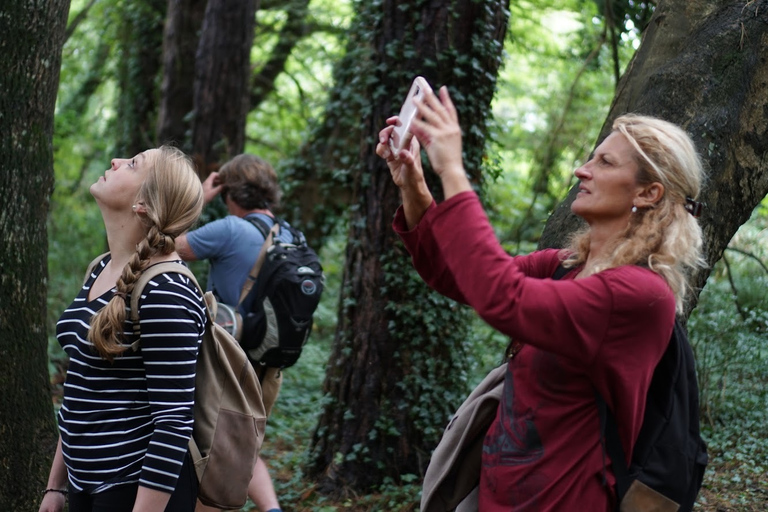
(172, 325)
(457, 253)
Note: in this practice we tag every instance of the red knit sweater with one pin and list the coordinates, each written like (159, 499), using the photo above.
(605, 332)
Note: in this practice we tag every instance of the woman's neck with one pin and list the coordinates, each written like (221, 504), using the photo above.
(601, 242)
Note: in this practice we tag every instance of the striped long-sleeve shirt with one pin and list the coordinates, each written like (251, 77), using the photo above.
(130, 420)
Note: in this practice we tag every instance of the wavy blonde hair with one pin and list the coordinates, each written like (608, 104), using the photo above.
(173, 197)
(666, 237)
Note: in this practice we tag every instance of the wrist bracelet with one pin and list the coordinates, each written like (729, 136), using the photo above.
(60, 491)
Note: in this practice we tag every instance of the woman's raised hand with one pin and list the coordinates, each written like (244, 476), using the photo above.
(407, 173)
(406, 167)
(437, 128)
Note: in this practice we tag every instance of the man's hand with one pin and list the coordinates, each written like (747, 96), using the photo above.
(211, 187)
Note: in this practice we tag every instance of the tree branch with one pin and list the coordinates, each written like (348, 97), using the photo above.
(292, 32)
(750, 255)
(742, 314)
(77, 20)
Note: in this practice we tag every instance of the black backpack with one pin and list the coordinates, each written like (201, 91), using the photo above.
(277, 311)
(669, 456)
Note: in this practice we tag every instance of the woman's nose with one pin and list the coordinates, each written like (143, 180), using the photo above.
(581, 172)
(116, 162)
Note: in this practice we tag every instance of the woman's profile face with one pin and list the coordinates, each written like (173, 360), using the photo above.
(120, 185)
(608, 183)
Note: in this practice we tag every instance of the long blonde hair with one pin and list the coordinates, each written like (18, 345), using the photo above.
(173, 197)
(666, 237)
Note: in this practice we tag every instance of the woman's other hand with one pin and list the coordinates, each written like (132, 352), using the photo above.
(406, 167)
(53, 502)
(407, 173)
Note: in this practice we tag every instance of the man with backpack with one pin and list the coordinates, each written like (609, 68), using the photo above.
(248, 185)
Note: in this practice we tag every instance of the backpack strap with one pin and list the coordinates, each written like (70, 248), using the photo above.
(560, 272)
(611, 444)
(298, 236)
(149, 273)
(93, 264)
(269, 239)
(270, 235)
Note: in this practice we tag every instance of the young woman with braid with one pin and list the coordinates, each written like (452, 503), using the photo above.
(126, 418)
(604, 326)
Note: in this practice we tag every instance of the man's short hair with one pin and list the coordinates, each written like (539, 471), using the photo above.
(250, 182)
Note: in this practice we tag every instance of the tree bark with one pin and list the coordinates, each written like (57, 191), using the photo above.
(395, 373)
(180, 40)
(31, 37)
(221, 90)
(701, 65)
(140, 42)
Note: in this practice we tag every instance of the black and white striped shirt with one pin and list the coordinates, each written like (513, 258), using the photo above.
(130, 420)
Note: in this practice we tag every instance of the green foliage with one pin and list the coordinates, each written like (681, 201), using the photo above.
(431, 331)
(82, 143)
(728, 331)
(280, 125)
(555, 93)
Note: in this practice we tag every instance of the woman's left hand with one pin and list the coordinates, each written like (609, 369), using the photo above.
(407, 173)
(405, 168)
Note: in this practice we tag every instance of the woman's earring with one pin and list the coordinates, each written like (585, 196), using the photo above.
(634, 209)
(133, 207)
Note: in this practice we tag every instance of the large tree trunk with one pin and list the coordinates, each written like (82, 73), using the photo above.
(140, 39)
(31, 37)
(180, 40)
(702, 65)
(222, 74)
(395, 373)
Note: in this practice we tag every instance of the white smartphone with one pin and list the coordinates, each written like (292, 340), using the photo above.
(401, 135)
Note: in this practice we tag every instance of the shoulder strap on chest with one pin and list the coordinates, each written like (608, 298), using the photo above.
(264, 229)
(154, 271)
(92, 265)
(269, 240)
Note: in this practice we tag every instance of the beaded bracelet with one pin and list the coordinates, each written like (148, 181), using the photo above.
(60, 491)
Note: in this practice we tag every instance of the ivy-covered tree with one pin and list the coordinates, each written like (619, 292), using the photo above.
(702, 65)
(396, 367)
(31, 37)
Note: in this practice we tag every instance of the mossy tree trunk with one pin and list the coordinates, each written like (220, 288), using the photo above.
(31, 37)
(222, 82)
(395, 373)
(703, 65)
